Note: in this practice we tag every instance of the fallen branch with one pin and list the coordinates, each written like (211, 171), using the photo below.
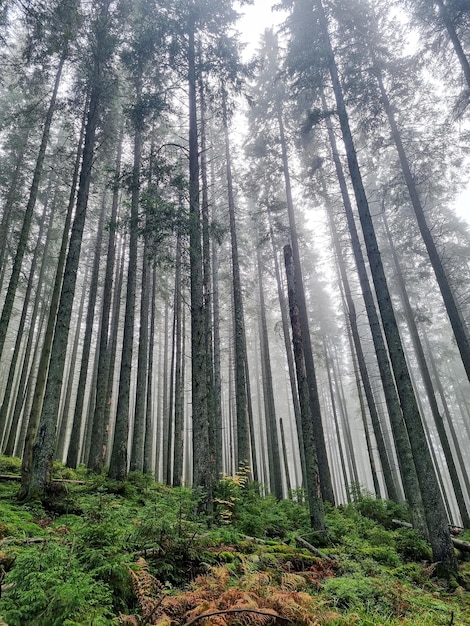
(17, 478)
(458, 543)
(461, 545)
(228, 611)
(312, 549)
(8, 540)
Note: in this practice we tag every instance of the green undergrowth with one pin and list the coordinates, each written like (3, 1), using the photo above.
(98, 553)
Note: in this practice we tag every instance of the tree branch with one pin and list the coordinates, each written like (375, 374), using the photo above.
(275, 616)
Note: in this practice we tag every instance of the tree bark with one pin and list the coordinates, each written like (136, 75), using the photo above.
(243, 446)
(426, 376)
(323, 465)
(400, 435)
(200, 426)
(317, 518)
(119, 453)
(74, 444)
(274, 456)
(138, 436)
(95, 458)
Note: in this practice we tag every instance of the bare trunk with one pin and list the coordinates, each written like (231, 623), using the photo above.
(323, 465)
(317, 518)
(95, 457)
(426, 376)
(118, 460)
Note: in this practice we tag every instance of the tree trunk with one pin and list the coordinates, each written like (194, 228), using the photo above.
(285, 459)
(288, 347)
(149, 421)
(118, 461)
(138, 436)
(457, 444)
(207, 288)
(95, 457)
(400, 435)
(200, 428)
(446, 18)
(179, 356)
(323, 465)
(433, 505)
(426, 376)
(317, 517)
(7, 396)
(274, 456)
(243, 446)
(352, 316)
(70, 377)
(9, 203)
(74, 444)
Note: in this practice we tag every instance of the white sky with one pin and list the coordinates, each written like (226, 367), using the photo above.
(255, 20)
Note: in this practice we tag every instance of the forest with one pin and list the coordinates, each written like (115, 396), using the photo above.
(235, 307)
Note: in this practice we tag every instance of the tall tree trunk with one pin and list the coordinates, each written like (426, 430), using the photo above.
(457, 444)
(166, 416)
(118, 461)
(70, 377)
(285, 459)
(340, 443)
(400, 435)
(207, 287)
(28, 215)
(149, 422)
(74, 444)
(317, 517)
(352, 317)
(27, 385)
(138, 437)
(269, 405)
(200, 429)
(446, 18)
(218, 469)
(288, 347)
(10, 201)
(43, 448)
(95, 457)
(350, 451)
(243, 445)
(426, 376)
(179, 356)
(35, 410)
(216, 358)
(113, 348)
(323, 465)
(433, 505)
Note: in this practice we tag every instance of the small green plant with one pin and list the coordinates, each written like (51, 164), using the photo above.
(49, 587)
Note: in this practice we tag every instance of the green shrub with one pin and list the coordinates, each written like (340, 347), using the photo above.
(50, 588)
(9, 464)
(411, 546)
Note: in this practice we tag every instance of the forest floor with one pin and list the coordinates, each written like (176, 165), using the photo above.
(101, 553)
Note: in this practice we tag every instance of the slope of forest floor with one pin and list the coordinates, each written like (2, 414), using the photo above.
(101, 553)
